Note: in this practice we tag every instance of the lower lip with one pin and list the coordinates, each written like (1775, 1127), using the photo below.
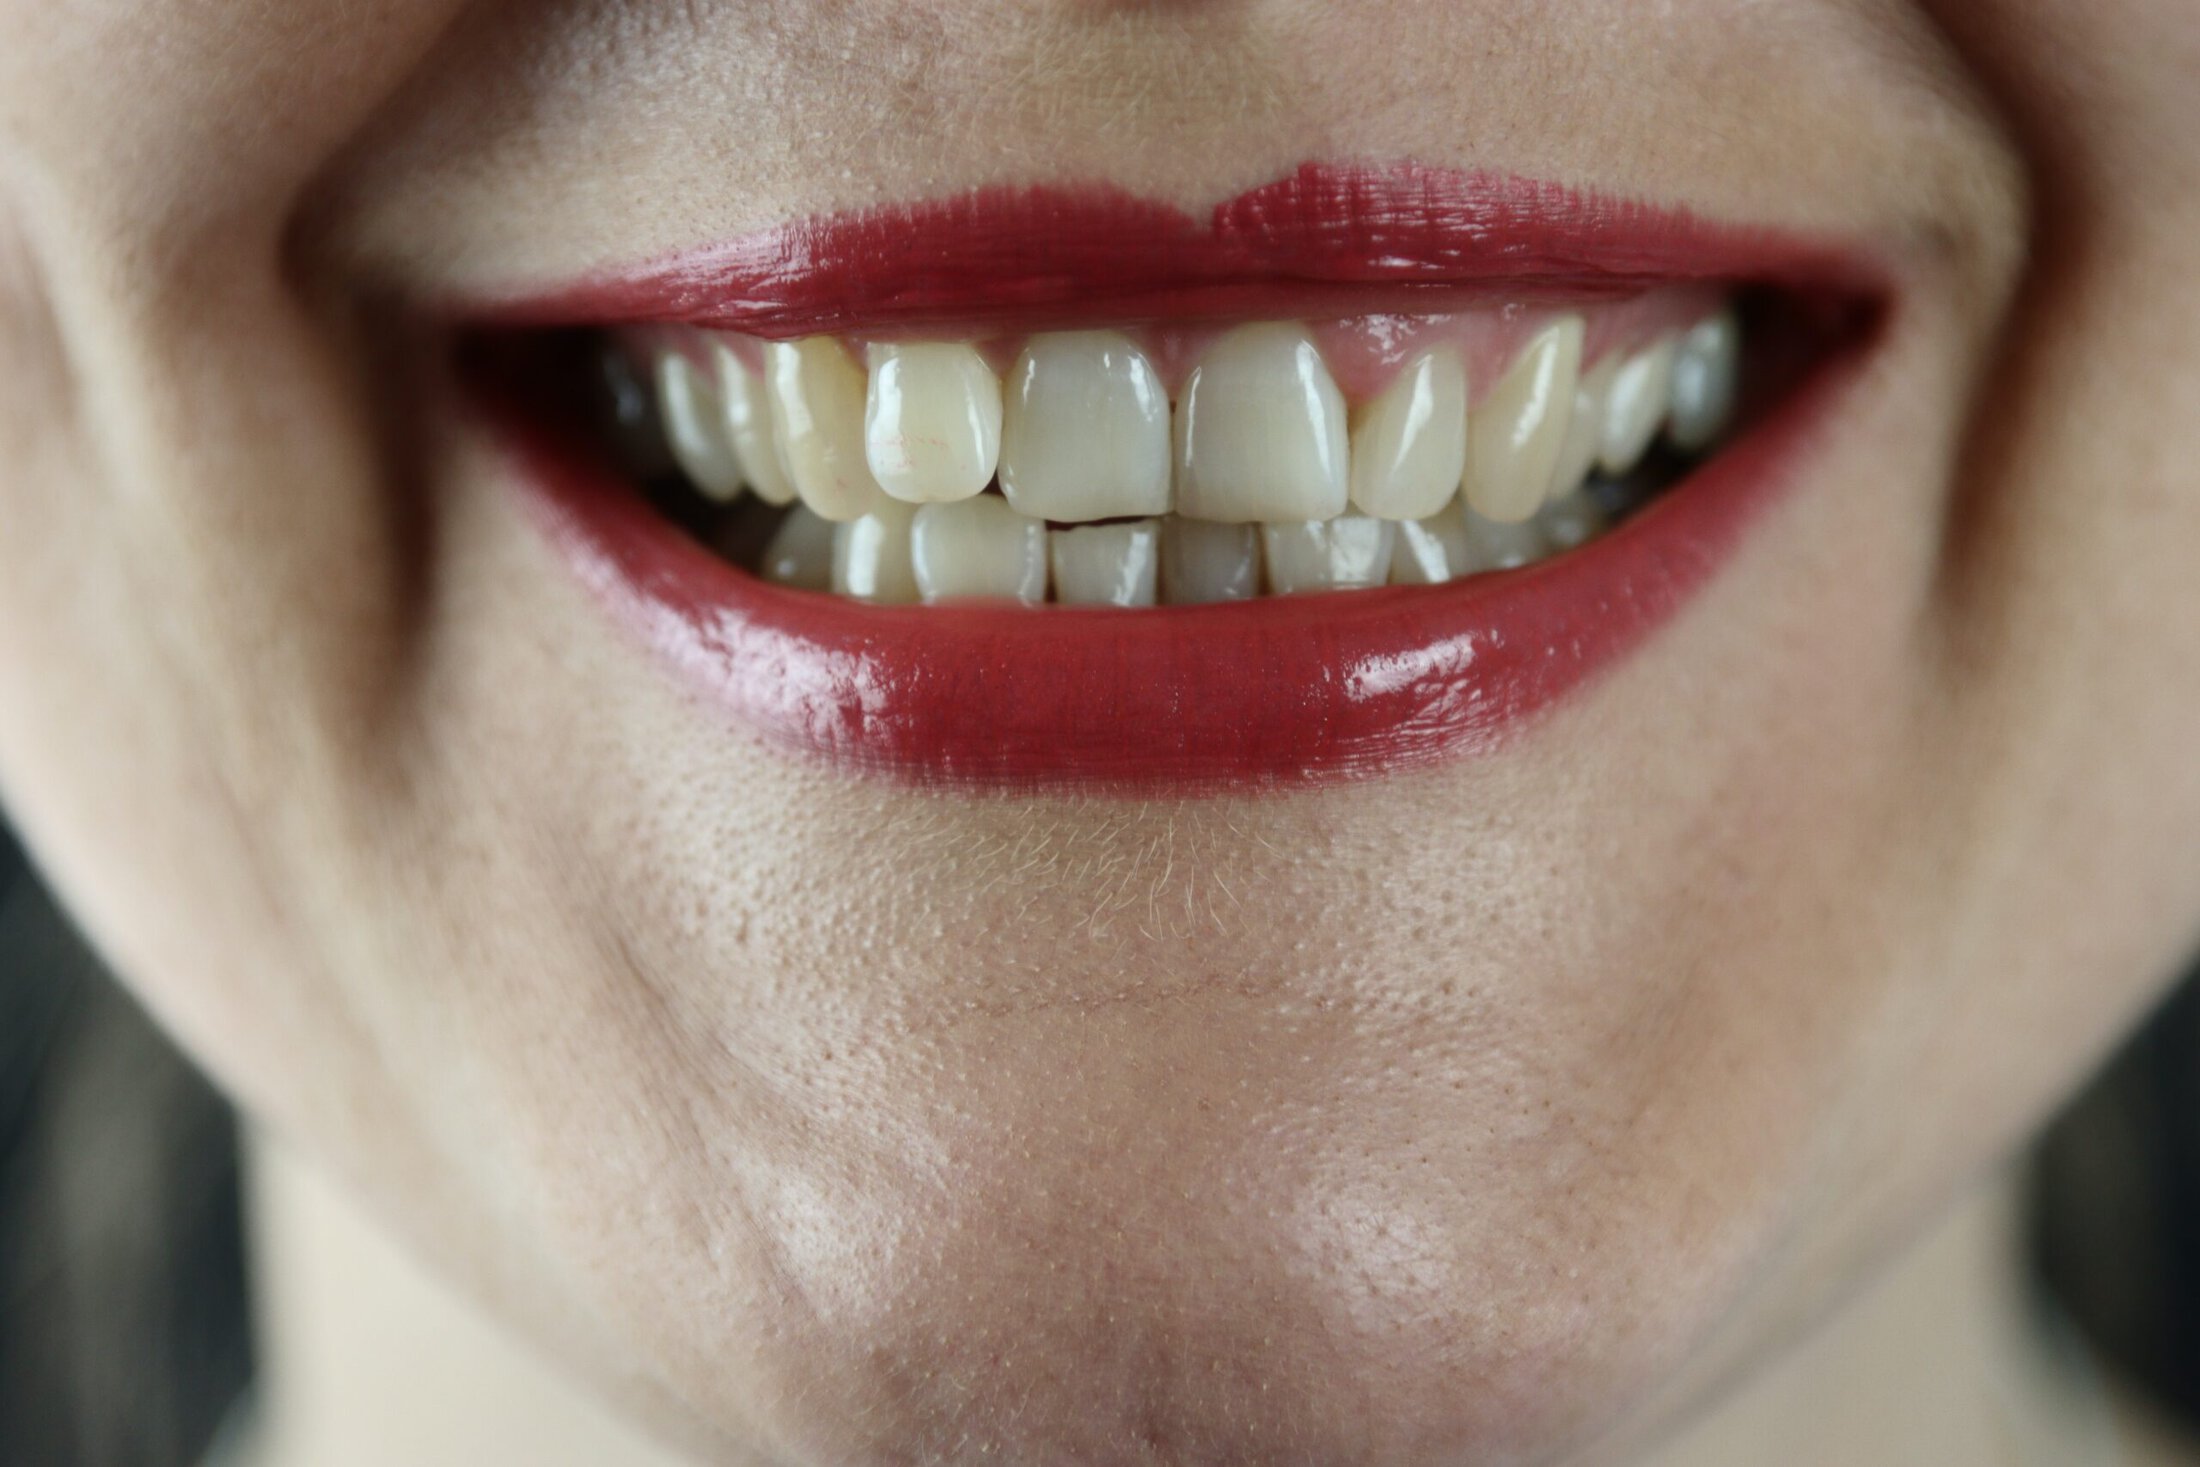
(1278, 691)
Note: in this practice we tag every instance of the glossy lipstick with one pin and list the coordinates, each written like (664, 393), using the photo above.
(1276, 691)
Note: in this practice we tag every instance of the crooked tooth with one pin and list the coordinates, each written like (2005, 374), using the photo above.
(748, 423)
(979, 548)
(1498, 545)
(1584, 428)
(1346, 553)
(871, 555)
(1085, 429)
(695, 428)
(1642, 390)
(932, 421)
(1409, 444)
(1706, 375)
(1514, 437)
(801, 552)
(1106, 565)
(817, 397)
(1571, 520)
(1260, 432)
(1436, 549)
(1202, 561)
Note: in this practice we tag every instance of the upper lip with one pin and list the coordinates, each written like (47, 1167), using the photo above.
(1260, 692)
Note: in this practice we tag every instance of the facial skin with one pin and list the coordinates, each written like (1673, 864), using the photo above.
(1489, 1114)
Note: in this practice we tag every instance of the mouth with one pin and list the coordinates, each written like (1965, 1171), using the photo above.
(1058, 487)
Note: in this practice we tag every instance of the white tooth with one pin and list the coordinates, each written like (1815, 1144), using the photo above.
(801, 552)
(1585, 428)
(1106, 565)
(1706, 375)
(1514, 437)
(1575, 519)
(695, 427)
(816, 395)
(1260, 433)
(1434, 550)
(1346, 553)
(1409, 445)
(1085, 429)
(979, 548)
(1202, 561)
(1642, 389)
(932, 423)
(871, 559)
(1501, 546)
(748, 420)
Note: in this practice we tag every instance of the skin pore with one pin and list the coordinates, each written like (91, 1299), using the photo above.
(1492, 1113)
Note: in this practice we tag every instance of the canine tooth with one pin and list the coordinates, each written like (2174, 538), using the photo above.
(1085, 429)
(1345, 553)
(801, 553)
(979, 548)
(1409, 445)
(1202, 561)
(817, 395)
(1642, 390)
(1706, 374)
(1514, 437)
(1106, 565)
(1260, 432)
(871, 559)
(1502, 546)
(1574, 519)
(748, 420)
(1584, 429)
(1434, 550)
(694, 428)
(932, 421)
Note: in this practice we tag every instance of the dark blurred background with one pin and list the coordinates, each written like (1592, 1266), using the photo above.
(125, 1334)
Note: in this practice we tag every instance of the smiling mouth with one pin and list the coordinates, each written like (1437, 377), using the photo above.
(1060, 487)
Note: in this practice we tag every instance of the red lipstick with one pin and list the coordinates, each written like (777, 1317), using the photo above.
(1278, 691)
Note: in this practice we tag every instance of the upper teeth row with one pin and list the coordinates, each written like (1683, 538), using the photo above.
(1083, 428)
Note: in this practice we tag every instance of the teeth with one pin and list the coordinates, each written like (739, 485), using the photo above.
(1501, 546)
(1642, 389)
(871, 558)
(1085, 430)
(1515, 436)
(1347, 553)
(932, 422)
(1106, 565)
(1260, 433)
(817, 398)
(1434, 550)
(695, 428)
(1202, 561)
(801, 554)
(1409, 445)
(748, 420)
(1706, 372)
(979, 548)
(1572, 520)
(1584, 429)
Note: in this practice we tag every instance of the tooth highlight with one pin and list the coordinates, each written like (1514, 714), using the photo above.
(748, 423)
(694, 427)
(1642, 390)
(1515, 435)
(1347, 553)
(1085, 429)
(817, 399)
(1706, 374)
(871, 556)
(801, 553)
(1106, 565)
(1409, 444)
(979, 548)
(1434, 550)
(1202, 561)
(932, 421)
(1260, 432)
